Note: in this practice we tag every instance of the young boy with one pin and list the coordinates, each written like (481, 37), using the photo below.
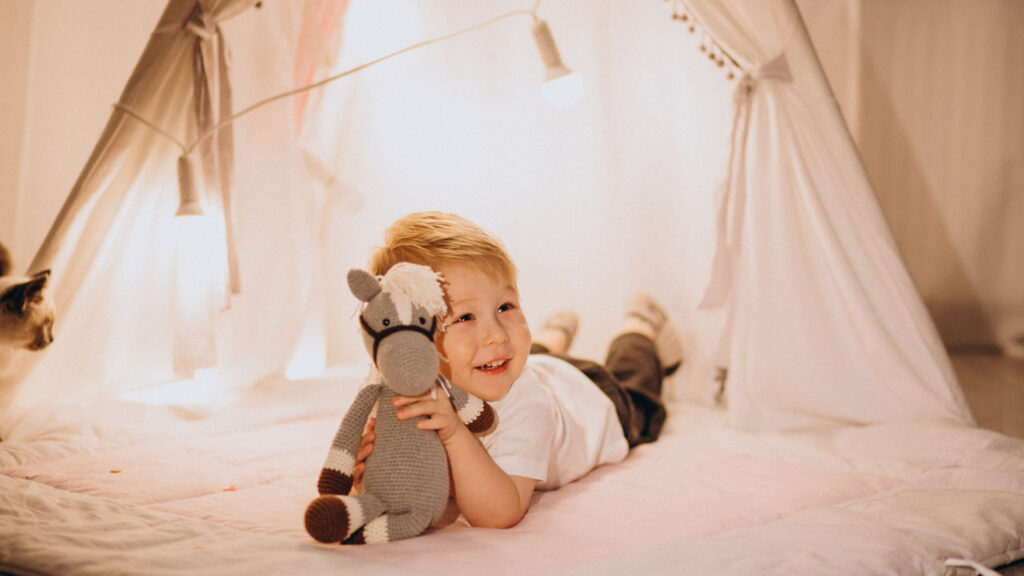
(554, 425)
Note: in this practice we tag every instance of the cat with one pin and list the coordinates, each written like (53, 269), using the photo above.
(27, 313)
(5, 261)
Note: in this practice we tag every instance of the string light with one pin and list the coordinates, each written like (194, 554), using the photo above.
(199, 267)
(561, 88)
(189, 203)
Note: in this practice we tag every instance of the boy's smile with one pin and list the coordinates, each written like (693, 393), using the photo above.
(486, 339)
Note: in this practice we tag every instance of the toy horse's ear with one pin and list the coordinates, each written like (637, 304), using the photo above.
(363, 284)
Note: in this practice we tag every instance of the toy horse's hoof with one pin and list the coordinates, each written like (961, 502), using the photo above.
(334, 482)
(327, 519)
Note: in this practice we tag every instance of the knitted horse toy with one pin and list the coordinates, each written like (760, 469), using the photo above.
(405, 485)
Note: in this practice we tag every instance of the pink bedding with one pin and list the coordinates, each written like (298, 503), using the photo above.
(141, 489)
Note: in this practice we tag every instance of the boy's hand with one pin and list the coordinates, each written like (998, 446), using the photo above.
(362, 453)
(437, 408)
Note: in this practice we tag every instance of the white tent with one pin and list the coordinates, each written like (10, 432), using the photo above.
(806, 299)
(201, 363)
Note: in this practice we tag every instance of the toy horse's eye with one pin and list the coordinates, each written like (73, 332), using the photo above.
(386, 322)
(423, 320)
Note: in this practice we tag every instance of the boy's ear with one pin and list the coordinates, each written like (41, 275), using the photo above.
(363, 285)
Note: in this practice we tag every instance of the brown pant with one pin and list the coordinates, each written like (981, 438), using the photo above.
(631, 377)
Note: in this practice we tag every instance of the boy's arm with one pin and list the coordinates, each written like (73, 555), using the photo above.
(484, 493)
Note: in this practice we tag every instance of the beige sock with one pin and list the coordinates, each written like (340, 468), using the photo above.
(554, 340)
(631, 324)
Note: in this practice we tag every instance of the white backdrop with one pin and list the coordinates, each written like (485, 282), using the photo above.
(942, 134)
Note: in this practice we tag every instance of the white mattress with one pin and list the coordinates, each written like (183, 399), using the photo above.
(127, 487)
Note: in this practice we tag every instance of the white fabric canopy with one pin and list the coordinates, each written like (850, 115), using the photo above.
(822, 322)
(140, 293)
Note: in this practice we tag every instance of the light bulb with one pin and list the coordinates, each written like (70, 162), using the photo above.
(562, 87)
(188, 191)
(564, 91)
(198, 277)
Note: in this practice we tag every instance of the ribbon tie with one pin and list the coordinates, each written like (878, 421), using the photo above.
(201, 24)
(212, 97)
(732, 195)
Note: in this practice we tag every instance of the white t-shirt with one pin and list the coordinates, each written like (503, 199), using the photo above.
(555, 425)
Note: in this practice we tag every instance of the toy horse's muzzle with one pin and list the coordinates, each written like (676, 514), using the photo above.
(406, 357)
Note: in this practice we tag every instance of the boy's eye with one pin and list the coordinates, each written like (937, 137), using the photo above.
(506, 307)
(457, 320)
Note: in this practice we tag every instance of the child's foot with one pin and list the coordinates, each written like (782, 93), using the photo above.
(645, 316)
(558, 331)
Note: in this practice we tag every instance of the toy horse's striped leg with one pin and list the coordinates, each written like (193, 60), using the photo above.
(476, 414)
(333, 518)
(392, 526)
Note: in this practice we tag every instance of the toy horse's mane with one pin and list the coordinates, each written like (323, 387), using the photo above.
(414, 286)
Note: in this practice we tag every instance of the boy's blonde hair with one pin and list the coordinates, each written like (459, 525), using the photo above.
(438, 238)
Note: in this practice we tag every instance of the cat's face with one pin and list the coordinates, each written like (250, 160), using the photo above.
(26, 313)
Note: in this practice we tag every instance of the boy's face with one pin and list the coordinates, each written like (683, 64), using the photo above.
(486, 338)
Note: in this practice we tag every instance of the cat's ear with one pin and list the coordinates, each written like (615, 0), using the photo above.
(18, 297)
(5, 261)
(14, 299)
(36, 285)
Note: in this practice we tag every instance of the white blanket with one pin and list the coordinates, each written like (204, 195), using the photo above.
(131, 488)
